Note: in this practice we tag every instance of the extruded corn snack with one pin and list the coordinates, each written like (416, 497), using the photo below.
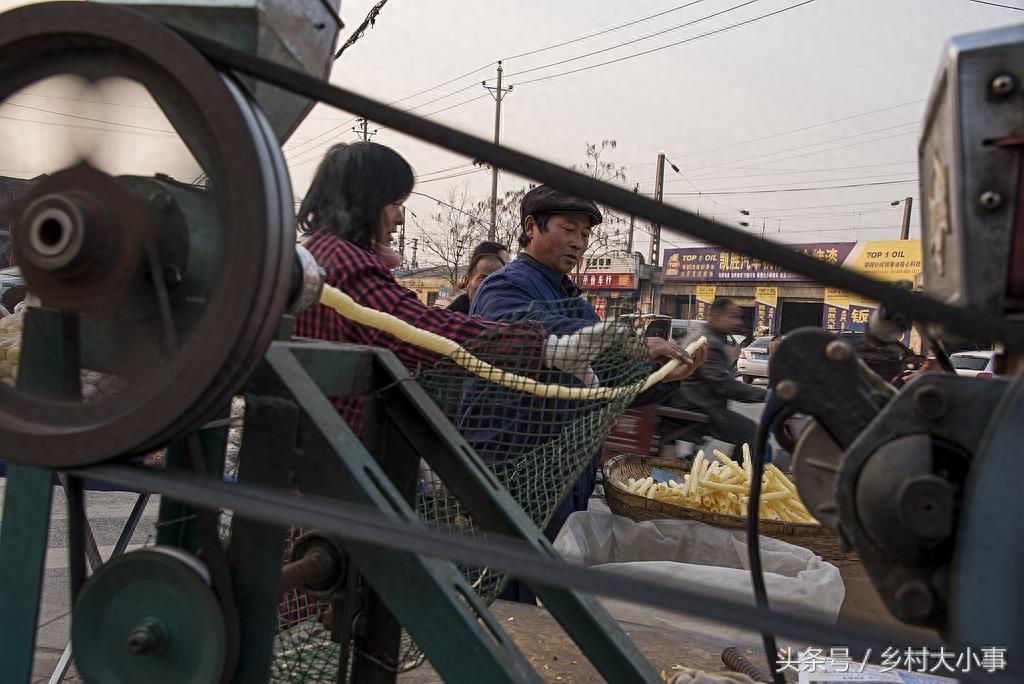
(723, 486)
(350, 309)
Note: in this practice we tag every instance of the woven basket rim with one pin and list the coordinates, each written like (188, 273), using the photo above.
(613, 491)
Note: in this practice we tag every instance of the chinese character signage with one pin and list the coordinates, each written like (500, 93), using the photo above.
(705, 296)
(767, 300)
(607, 272)
(860, 312)
(835, 313)
(888, 260)
(604, 281)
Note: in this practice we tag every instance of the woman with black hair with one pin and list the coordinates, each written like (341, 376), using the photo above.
(350, 213)
(487, 258)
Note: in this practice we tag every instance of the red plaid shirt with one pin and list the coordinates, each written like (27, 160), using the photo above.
(360, 274)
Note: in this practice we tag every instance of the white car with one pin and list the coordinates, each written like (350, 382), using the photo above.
(975, 364)
(753, 360)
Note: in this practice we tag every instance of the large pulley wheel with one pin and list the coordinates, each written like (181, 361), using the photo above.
(159, 295)
(149, 617)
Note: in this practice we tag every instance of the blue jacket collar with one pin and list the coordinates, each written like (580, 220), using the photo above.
(559, 281)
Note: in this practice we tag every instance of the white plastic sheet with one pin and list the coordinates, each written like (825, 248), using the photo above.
(699, 557)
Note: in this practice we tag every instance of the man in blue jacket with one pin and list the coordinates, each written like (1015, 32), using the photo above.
(536, 286)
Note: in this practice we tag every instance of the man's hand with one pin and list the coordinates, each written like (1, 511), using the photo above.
(661, 351)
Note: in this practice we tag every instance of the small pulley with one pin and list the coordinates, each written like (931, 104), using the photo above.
(149, 616)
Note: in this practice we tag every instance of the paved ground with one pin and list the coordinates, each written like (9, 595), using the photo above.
(107, 512)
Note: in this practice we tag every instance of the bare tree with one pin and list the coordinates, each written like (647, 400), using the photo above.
(457, 228)
(507, 221)
(611, 234)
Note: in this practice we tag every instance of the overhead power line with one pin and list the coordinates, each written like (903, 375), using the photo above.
(803, 128)
(88, 118)
(634, 40)
(665, 47)
(762, 192)
(996, 4)
(603, 31)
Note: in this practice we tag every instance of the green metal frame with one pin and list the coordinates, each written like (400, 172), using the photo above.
(294, 438)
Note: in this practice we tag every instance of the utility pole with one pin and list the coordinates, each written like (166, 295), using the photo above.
(363, 130)
(498, 93)
(659, 189)
(632, 224)
(415, 244)
(908, 204)
(401, 238)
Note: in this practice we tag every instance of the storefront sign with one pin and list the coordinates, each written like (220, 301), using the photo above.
(767, 301)
(836, 313)
(888, 260)
(705, 296)
(607, 272)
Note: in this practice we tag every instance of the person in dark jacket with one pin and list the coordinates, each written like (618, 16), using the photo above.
(711, 386)
(487, 258)
(536, 286)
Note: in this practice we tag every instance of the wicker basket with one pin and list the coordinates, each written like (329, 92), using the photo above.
(821, 540)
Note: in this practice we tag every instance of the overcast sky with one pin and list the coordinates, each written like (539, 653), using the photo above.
(697, 101)
(749, 114)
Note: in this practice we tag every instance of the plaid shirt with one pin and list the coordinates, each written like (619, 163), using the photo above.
(360, 274)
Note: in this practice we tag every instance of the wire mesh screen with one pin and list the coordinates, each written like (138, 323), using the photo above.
(530, 427)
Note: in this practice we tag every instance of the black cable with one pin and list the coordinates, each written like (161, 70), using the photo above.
(996, 4)
(805, 128)
(634, 40)
(603, 31)
(941, 355)
(969, 323)
(665, 47)
(771, 649)
(799, 189)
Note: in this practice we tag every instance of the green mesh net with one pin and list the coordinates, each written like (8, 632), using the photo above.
(538, 447)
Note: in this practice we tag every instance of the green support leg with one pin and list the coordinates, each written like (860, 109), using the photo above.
(423, 425)
(22, 555)
(49, 368)
(429, 597)
(256, 549)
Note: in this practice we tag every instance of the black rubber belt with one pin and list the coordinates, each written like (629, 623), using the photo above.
(968, 323)
(366, 526)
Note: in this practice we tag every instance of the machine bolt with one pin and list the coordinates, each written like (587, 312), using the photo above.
(930, 403)
(147, 638)
(1002, 85)
(990, 200)
(925, 507)
(838, 351)
(787, 390)
(161, 200)
(914, 601)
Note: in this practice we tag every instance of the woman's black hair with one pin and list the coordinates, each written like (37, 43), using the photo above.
(351, 186)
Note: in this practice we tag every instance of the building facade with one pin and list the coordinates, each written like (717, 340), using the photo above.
(774, 300)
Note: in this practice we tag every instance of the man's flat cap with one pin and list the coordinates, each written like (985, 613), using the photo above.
(545, 199)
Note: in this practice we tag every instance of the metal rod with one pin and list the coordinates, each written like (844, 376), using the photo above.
(63, 665)
(362, 525)
(312, 568)
(969, 323)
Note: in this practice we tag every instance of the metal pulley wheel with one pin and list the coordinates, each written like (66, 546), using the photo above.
(149, 616)
(160, 295)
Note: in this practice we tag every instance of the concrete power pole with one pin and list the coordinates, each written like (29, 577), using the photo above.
(363, 130)
(659, 190)
(415, 244)
(908, 204)
(632, 225)
(498, 93)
